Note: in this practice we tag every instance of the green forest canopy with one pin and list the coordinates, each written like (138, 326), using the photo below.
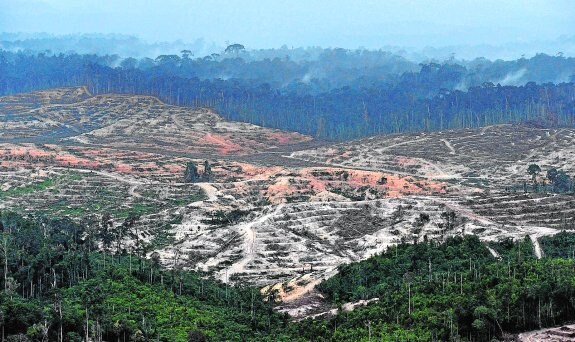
(55, 284)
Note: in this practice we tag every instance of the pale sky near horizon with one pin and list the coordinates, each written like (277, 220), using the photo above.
(327, 23)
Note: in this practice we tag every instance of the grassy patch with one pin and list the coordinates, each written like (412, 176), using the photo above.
(139, 208)
(162, 237)
(30, 188)
(187, 199)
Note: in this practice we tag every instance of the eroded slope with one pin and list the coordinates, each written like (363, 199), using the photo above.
(494, 154)
(130, 121)
(281, 220)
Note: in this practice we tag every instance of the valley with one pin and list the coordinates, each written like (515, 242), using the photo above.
(282, 211)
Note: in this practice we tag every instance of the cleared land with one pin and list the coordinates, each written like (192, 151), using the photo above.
(486, 157)
(128, 121)
(282, 211)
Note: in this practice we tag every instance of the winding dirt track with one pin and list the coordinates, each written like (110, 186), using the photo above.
(249, 235)
(449, 146)
(210, 191)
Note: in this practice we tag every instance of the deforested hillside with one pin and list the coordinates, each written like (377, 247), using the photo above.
(25, 101)
(215, 196)
(142, 122)
(246, 205)
(496, 155)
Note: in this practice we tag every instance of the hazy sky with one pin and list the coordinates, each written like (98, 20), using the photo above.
(269, 23)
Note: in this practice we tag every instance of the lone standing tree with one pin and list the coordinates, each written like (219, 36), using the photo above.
(207, 176)
(191, 175)
(533, 170)
(552, 174)
(235, 48)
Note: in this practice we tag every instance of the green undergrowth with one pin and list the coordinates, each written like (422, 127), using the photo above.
(454, 290)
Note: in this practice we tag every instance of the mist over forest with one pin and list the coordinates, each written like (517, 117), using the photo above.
(330, 93)
(125, 45)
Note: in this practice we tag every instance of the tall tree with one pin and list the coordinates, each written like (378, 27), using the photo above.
(533, 170)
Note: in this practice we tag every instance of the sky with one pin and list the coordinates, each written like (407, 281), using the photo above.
(326, 23)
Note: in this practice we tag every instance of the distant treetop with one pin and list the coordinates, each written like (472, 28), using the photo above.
(235, 48)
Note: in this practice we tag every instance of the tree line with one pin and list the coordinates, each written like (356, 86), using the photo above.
(554, 180)
(343, 103)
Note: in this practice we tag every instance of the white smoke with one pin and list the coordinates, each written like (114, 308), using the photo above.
(513, 78)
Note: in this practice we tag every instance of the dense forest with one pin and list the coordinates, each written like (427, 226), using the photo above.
(454, 290)
(331, 93)
(58, 287)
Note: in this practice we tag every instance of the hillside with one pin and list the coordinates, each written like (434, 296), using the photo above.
(275, 212)
(60, 285)
(489, 155)
(123, 121)
(84, 157)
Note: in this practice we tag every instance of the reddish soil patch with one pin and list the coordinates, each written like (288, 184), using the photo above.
(226, 146)
(287, 138)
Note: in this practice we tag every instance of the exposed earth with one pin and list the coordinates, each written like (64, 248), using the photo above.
(281, 211)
